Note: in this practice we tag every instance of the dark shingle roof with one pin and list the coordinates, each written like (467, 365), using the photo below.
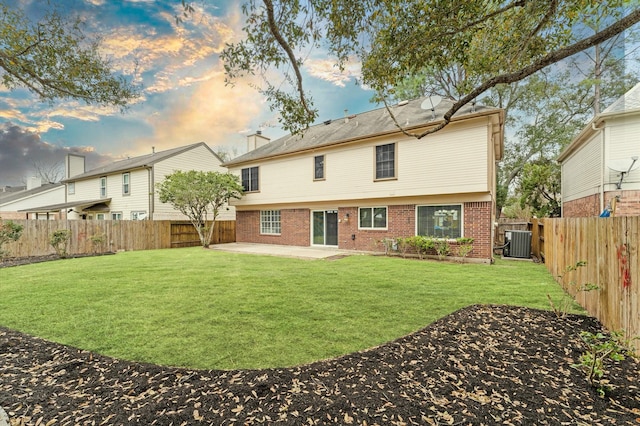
(135, 162)
(357, 126)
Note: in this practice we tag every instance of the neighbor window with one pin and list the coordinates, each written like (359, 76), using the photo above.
(99, 216)
(71, 188)
(250, 179)
(138, 215)
(126, 187)
(270, 222)
(440, 221)
(386, 161)
(103, 187)
(116, 215)
(318, 167)
(372, 218)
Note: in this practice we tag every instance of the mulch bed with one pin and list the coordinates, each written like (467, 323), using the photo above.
(17, 261)
(480, 365)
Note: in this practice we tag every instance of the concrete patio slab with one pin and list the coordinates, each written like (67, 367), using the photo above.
(284, 251)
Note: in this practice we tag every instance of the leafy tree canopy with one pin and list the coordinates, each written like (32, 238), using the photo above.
(54, 59)
(487, 42)
(198, 194)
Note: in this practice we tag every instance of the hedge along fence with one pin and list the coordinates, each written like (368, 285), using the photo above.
(610, 248)
(115, 235)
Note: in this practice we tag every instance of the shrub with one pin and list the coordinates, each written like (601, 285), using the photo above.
(97, 241)
(465, 246)
(59, 240)
(443, 249)
(421, 245)
(9, 231)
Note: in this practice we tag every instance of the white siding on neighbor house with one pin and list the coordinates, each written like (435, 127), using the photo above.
(622, 142)
(581, 172)
(138, 198)
(87, 190)
(199, 158)
(452, 161)
(44, 198)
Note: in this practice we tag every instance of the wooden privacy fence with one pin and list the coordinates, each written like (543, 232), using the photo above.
(610, 248)
(118, 235)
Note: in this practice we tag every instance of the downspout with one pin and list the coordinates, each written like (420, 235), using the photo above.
(151, 192)
(602, 147)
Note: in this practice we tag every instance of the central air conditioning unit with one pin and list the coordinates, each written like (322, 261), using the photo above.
(518, 244)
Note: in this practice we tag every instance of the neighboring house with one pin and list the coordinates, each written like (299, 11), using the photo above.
(352, 182)
(13, 204)
(601, 166)
(125, 190)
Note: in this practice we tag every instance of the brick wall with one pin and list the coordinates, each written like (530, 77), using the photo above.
(296, 229)
(628, 204)
(582, 207)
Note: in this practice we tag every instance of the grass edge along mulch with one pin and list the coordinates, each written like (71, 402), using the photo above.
(484, 364)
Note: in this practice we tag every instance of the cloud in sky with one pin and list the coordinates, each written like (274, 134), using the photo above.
(21, 149)
(184, 100)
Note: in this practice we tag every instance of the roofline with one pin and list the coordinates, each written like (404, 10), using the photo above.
(478, 114)
(590, 129)
(144, 166)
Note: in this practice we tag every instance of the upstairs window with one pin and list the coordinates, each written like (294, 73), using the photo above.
(126, 187)
(103, 187)
(71, 188)
(318, 167)
(250, 179)
(386, 161)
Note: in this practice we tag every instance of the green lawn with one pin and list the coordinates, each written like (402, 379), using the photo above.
(208, 309)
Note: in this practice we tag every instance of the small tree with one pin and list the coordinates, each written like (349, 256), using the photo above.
(196, 194)
(9, 231)
(59, 240)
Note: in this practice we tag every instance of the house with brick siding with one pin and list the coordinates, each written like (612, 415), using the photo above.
(601, 166)
(352, 182)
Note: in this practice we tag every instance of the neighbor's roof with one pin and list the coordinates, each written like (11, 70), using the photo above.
(627, 104)
(137, 162)
(84, 205)
(364, 125)
(28, 193)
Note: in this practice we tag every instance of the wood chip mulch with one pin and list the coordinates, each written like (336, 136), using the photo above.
(482, 365)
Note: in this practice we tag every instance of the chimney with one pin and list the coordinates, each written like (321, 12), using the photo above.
(256, 140)
(153, 149)
(34, 182)
(74, 165)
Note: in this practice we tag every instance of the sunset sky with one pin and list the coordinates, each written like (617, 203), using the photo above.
(184, 98)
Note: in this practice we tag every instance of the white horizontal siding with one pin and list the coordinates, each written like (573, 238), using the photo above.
(581, 171)
(45, 198)
(198, 158)
(623, 142)
(452, 161)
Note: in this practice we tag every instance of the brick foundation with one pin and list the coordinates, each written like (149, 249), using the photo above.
(628, 204)
(401, 219)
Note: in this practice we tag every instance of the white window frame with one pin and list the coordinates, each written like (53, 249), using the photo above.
(103, 187)
(99, 216)
(373, 227)
(116, 215)
(126, 183)
(135, 215)
(71, 188)
(270, 222)
(461, 219)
